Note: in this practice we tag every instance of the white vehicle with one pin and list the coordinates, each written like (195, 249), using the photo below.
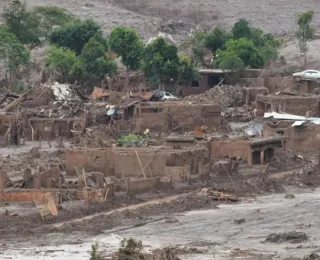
(313, 75)
(168, 96)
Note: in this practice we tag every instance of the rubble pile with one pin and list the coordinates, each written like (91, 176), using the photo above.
(225, 95)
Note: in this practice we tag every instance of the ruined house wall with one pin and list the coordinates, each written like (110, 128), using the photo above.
(164, 117)
(92, 160)
(6, 120)
(187, 91)
(127, 163)
(141, 185)
(251, 82)
(297, 105)
(299, 139)
(251, 93)
(277, 84)
(59, 127)
(239, 149)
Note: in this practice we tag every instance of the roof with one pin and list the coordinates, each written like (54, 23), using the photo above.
(299, 120)
(214, 71)
(254, 129)
(270, 140)
(98, 93)
(147, 95)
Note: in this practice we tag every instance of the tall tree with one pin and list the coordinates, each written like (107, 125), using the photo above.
(161, 63)
(305, 32)
(127, 44)
(12, 53)
(95, 62)
(188, 72)
(216, 39)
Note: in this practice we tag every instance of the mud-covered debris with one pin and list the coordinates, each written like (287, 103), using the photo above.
(171, 220)
(291, 237)
(225, 95)
(289, 196)
(34, 152)
(220, 196)
(312, 256)
(239, 221)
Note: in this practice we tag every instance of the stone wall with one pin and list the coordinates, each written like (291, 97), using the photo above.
(239, 149)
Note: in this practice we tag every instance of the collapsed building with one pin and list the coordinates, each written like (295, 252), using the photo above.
(291, 104)
(168, 116)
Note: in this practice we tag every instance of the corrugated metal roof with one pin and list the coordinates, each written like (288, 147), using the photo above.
(254, 129)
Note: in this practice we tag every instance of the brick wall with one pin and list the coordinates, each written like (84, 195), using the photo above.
(138, 186)
(239, 149)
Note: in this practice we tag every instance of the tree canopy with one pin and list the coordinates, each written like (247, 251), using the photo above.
(33, 26)
(76, 35)
(12, 53)
(60, 61)
(127, 44)
(161, 63)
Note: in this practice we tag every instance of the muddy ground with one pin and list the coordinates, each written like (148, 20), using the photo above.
(204, 234)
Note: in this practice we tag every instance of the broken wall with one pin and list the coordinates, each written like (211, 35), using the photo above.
(251, 93)
(300, 138)
(6, 120)
(91, 159)
(52, 128)
(138, 186)
(296, 105)
(239, 149)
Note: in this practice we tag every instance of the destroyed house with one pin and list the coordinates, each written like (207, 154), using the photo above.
(291, 104)
(254, 151)
(299, 138)
(139, 162)
(169, 116)
(208, 79)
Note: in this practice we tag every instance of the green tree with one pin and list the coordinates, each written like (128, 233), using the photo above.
(216, 39)
(60, 60)
(161, 63)
(241, 29)
(50, 17)
(12, 53)
(75, 35)
(32, 27)
(245, 50)
(94, 62)
(188, 71)
(19, 22)
(127, 44)
(229, 61)
(305, 32)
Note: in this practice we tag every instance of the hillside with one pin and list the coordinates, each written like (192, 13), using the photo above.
(178, 17)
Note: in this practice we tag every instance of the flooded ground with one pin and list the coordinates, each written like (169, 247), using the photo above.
(212, 231)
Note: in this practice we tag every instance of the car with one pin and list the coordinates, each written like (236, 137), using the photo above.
(168, 96)
(312, 75)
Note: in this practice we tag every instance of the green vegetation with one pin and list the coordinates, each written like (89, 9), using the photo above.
(132, 140)
(76, 35)
(305, 32)
(32, 27)
(12, 53)
(244, 46)
(94, 254)
(60, 61)
(188, 71)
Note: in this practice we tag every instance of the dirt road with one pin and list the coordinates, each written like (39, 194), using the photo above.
(212, 231)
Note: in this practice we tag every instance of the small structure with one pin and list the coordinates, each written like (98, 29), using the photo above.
(292, 104)
(254, 151)
(208, 79)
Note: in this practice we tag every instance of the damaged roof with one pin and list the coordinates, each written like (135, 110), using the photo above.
(98, 93)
